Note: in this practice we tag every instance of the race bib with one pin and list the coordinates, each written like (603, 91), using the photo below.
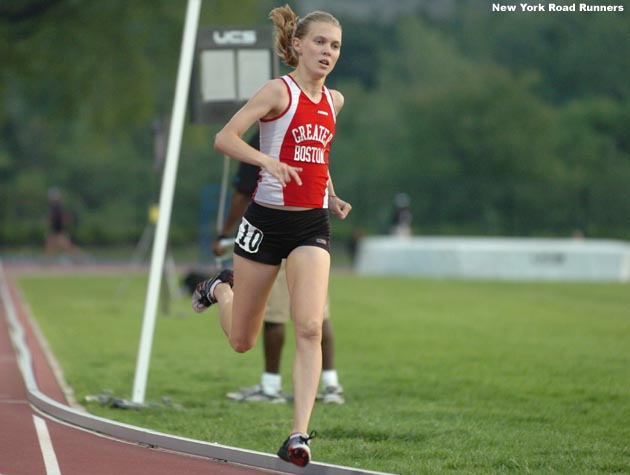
(249, 237)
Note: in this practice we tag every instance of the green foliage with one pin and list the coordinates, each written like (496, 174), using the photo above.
(457, 377)
(510, 124)
(477, 138)
(576, 55)
(84, 82)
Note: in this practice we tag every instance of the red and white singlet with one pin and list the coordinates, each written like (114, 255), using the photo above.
(299, 137)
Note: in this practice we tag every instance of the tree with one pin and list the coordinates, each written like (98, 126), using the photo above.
(82, 81)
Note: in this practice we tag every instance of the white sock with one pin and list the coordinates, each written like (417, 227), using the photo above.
(330, 378)
(271, 383)
(213, 287)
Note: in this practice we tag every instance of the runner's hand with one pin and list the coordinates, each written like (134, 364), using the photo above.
(339, 207)
(283, 172)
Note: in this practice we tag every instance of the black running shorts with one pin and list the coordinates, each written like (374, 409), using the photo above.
(269, 235)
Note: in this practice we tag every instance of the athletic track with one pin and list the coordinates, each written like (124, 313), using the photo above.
(40, 434)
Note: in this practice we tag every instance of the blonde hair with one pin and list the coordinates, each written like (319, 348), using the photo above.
(287, 26)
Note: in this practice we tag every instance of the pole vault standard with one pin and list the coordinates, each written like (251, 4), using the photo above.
(166, 199)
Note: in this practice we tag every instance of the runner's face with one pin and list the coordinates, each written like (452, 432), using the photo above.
(319, 50)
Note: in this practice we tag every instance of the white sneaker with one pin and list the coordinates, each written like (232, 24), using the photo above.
(256, 394)
(332, 395)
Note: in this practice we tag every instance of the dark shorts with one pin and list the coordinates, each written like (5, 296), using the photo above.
(269, 235)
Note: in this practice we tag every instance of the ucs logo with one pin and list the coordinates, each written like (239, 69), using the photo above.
(234, 37)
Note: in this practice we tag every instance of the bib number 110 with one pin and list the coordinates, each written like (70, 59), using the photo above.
(249, 237)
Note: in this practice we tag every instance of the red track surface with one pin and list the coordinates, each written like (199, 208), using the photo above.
(77, 452)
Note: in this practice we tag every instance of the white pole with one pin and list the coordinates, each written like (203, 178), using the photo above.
(166, 198)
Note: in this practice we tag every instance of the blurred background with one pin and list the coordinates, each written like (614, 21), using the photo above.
(487, 124)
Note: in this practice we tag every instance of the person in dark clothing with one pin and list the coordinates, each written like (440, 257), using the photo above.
(58, 238)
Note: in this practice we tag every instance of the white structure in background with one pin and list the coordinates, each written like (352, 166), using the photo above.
(496, 258)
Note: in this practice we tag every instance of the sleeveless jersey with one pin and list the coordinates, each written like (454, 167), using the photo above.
(299, 137)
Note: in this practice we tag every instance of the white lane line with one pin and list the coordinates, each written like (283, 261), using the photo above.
(48, 452)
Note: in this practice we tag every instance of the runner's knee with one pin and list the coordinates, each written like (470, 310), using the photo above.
(241, 345)
(311, 330)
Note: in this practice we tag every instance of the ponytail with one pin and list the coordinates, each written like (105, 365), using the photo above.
(285, 23)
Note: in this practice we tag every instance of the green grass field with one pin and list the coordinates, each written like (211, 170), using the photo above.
(461, 377)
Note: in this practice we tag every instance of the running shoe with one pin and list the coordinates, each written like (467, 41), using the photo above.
(332, 395)
(296, 449)
(256, 394)
(203, 296)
